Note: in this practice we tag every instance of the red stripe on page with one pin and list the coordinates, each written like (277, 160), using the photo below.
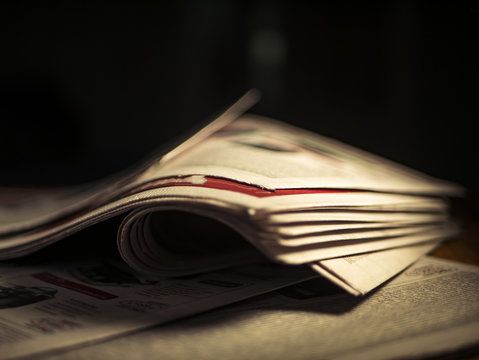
(223, 184)
(230, 185)
(71, 285)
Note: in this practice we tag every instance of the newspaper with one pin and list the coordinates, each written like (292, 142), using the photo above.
(362, 273)
(53, 306)
(270, 182)
(274, 155)
(429, 311)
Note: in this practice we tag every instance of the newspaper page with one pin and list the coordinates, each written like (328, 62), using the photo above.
(51, 307)
(359, 274)
(274, 155)
(429, 310)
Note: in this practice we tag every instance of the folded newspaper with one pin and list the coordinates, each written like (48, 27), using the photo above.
(290, 196)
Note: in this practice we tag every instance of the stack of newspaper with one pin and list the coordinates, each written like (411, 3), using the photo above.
(294, 197)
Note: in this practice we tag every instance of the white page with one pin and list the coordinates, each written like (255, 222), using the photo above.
(351, 216)
(360, 274)
(306, 254)
(294, 231)
(273, 155)
(41, 206)
(352, 234)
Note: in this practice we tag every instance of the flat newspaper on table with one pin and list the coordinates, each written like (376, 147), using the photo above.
(429, 310)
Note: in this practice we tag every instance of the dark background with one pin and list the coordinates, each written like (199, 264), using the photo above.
(87, 89)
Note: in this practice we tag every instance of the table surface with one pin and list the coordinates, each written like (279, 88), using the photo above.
(465, 247)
